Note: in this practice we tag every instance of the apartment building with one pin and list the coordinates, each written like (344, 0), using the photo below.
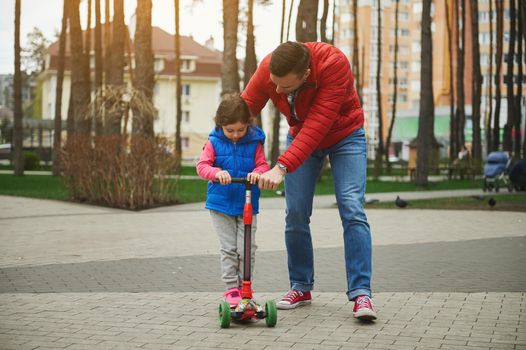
(408, 66)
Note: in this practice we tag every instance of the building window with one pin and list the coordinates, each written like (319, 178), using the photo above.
(401, 32)
(346, 17)
(187, 65)
(483, 16)
(416, 47)
(186, 116)
(415, 85)
(186, 90)
(402, 16)
(185, 142)
(158, 65)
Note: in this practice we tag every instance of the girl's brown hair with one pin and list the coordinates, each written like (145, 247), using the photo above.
(232, 109)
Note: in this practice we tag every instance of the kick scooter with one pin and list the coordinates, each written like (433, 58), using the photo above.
(247, 308)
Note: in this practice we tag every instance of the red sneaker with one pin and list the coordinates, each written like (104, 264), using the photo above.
(293, 299)
(233, 296)
(364, 309)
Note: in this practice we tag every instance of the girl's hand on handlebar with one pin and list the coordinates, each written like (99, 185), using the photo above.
(253, 178)
(223, 177)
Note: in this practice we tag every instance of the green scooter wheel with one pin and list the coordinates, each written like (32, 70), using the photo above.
(272, 313)
(224, 314)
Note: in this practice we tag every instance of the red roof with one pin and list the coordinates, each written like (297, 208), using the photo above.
(208, 61)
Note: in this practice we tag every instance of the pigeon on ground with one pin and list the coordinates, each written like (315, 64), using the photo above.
(492, 202)
(400, 203)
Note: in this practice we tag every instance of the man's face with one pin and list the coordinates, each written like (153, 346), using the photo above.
(289, 82)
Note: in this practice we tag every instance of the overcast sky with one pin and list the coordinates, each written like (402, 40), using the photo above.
(201, 21)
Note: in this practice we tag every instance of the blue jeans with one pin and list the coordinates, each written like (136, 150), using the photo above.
(348, 160)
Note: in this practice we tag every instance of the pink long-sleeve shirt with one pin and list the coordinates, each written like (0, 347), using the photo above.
(205, 165)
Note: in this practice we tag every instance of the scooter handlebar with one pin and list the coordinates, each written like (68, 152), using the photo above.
(239, 180)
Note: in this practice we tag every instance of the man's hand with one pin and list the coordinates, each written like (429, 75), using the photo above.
(253, 178)
(271, 179)
(223, 177)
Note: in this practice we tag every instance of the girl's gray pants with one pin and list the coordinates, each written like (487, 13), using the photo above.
(231, 232)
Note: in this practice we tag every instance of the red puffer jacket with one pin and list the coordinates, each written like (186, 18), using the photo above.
(327, 104)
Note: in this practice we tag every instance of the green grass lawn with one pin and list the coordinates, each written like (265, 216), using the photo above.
(34, 186)
(188, 191)
(504, 202)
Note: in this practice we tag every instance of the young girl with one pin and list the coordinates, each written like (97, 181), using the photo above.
(234, 149)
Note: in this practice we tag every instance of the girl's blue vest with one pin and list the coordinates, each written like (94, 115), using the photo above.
(238, 159)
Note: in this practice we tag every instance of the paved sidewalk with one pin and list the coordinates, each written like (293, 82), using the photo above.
(82, 277)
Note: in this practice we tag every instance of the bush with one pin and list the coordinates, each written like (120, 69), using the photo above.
(114, 168)
(116, 173)
(31, 161)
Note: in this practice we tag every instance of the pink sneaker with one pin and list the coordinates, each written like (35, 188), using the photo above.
(233, 296)
(364, 309)
(293, 299)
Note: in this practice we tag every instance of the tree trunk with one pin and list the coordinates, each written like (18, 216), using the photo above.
(333, 22)
(178, 92)
(506, 137)
(426, 137)
(453, 146)
(230, 74)
(115, 77)
(489, 83)
(18, 132)
(380, 148)
(87, 122)
(282, 30)
(107, 41)
(99, 64)
(461, 113)
(276, 118)
(306, 21)
(323, 22)
(80, 90)
(356, 52)
(498, 61)
(57, 139)
(87, 54)
(250, 51)
(144, 74)
(518, 99)
(395, 86)
(289, 19)
(476, 148)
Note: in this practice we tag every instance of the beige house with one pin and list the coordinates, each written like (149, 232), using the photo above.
(201, 81)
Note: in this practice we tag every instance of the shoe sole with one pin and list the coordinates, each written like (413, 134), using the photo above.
(292, 306)
(365, 315)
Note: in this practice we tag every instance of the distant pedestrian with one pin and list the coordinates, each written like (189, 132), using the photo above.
(234, 149)
(312, 85)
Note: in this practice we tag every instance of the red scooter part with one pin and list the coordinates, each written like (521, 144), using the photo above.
(247, 308)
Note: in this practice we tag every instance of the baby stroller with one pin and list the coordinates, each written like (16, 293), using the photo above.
(496, 172)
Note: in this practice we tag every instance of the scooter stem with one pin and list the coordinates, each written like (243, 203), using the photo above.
(246, 289)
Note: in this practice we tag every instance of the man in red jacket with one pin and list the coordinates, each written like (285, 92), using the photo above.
(312, 85)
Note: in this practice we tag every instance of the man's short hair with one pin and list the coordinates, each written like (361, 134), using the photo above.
(289, 57)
